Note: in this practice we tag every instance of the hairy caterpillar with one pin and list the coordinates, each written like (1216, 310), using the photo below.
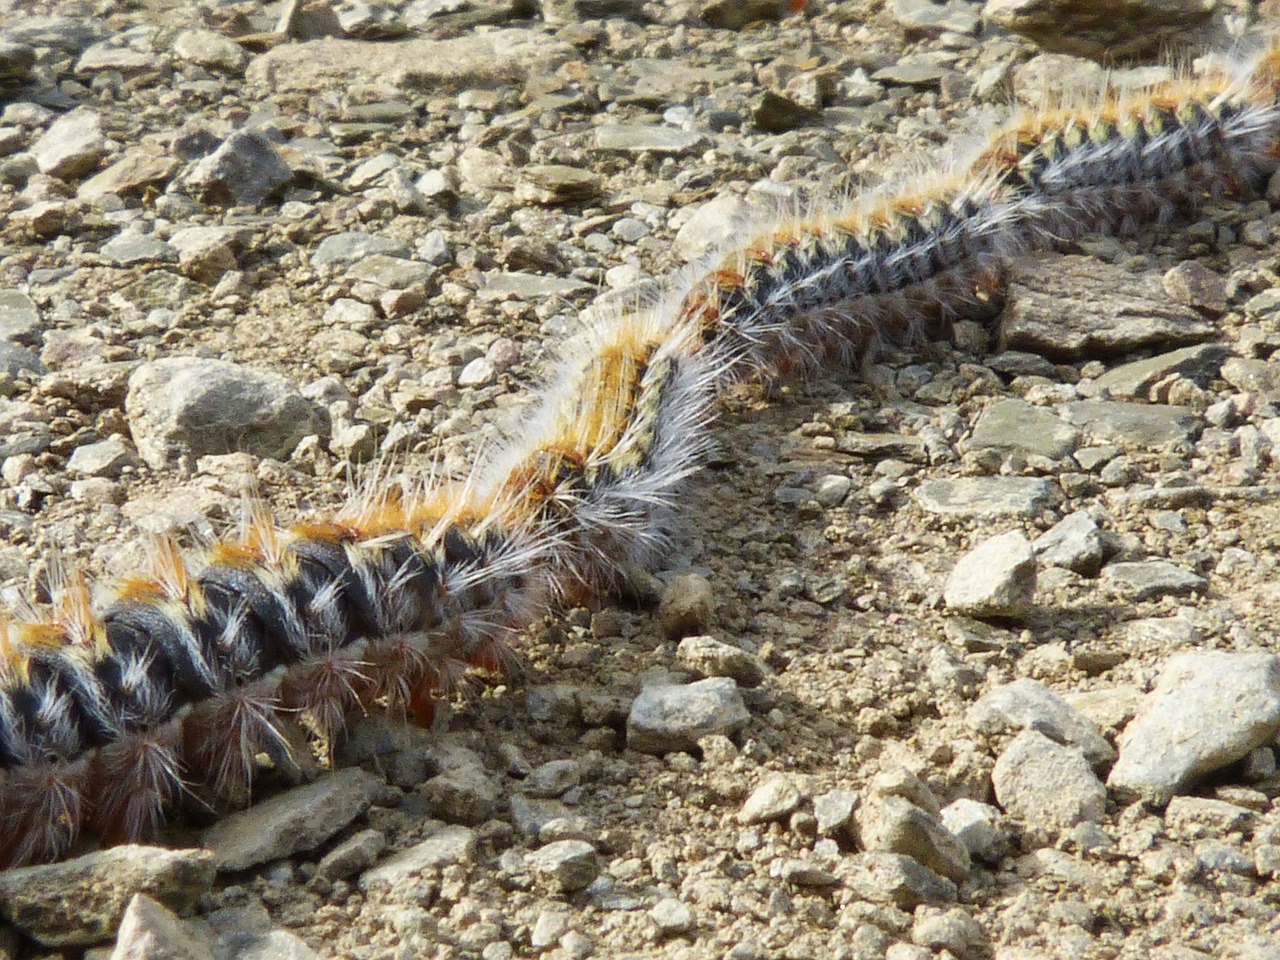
(110, 715)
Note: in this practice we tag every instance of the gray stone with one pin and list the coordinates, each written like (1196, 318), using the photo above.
(1132, 424)
(66, 33)
(908, 73)
(1261, 377)
(114, 54)
(72, 146)
(106, 458)
(446, 847)
(1075, 307)
(354, 855)
(952, 930)
(136, 170)
(463, 791)
(390, 271)
(1201, 817)
(151, 931)
(687, 606)
(987, 498)
(1149, 579)
(1073, 543)
(566, 865)
(476, 59)
(834, 811)
(529, 286)
(15, 360)
(669, 717)
(893, 824)
(556, 183)
(553, 778)
(1014, 426)
(635, 138)
(1208, 710)
(995, 579)
(275, 945)
(19, 318)
(353, 246)
(244, 171)
(928, 19)
(1101, 32)
(672, 917)
(1046, 784)
(708, 657)
(81, 902)
(1194, 284)
(130, 247)
(195, 407)
(206, 253)
(896, 879)
(714, 225)
(478, 373)
(1027, 704)
(364, 21)
(774, 799)
(295, 821)
(211, 50)
(978, 826)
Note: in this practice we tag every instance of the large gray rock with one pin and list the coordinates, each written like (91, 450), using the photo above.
(446, 847)
(1132, 424)
(80, 902)
(192, 406)
(987, 498)
(997, 578)
(1015, 426)
(151, 931)
(1029, 705)
(1208, 710)
(669, 717)
(1074, 307)
(244, 170)
(1046, 784)
(296, 821)
(1074, 543)
(1099, 30)
(72, 146)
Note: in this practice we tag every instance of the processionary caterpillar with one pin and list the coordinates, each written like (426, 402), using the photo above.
(111, 714)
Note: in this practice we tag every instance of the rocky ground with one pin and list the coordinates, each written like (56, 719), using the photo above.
(972, 656)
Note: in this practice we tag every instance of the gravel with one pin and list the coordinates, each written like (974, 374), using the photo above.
(361, 239)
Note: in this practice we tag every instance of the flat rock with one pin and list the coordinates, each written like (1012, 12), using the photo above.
(210, 50)
(130, 248)
(709, 657)
(1089, 29)
(1073, 543)
(1253, 376)
(1132, 424)
(997, 578)
(195, 406)
(446, 847)
(566, 865)
(483, 59)
(136, 169)
(1015, 426)
(73, 145)
(908, 73)
(296, 821)
(668, 717)
(987, 498)
(774, 799)
(81, 902)
(1199, 364)
(1148, 579)
(736, 14)
(897, 879)
(151, 931)
(893, 824)
(106, 458)
(353, 246)
(1208, 709)
(638, 138)
(19, 318)
(529, 286)
(1027, 704)
(1075, 307)
(1047, 784)
(928, 19)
